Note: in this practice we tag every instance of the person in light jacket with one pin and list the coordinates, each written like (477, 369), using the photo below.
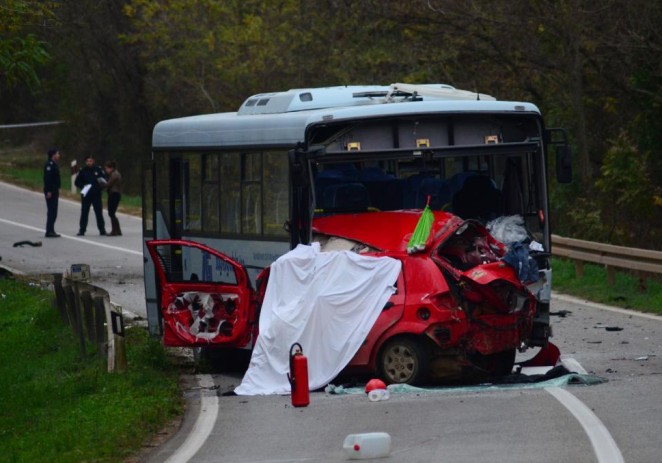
(114, 188)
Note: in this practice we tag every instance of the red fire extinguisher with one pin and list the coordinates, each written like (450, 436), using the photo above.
(298, 376)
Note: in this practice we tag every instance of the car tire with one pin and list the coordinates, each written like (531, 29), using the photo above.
(403, 361)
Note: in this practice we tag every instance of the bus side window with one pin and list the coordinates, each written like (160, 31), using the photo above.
(513, 196)
(230, 193)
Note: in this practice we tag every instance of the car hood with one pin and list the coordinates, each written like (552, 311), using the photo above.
(386, 231)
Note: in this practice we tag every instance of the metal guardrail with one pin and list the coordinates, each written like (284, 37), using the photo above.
(609, 255)
(94, 321)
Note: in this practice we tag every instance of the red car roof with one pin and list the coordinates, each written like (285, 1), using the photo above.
(386, 231)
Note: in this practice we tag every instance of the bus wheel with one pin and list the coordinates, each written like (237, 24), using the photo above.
(403, 361)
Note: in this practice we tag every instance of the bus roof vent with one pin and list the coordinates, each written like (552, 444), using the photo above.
(355, 95)
(433, 91)
(309, 98)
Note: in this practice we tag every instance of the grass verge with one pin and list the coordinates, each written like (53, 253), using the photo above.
(628, 292)
(60, 407)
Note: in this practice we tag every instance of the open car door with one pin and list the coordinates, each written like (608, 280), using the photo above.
(206, 297)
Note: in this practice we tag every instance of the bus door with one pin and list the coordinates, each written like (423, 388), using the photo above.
(206, 298)
(149, 232)
(301, 214)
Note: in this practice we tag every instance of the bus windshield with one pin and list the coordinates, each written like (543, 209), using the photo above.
(476, 167)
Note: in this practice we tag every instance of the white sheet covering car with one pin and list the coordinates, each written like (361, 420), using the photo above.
(327, 302)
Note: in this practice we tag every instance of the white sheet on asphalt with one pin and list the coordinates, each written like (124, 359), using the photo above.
(327, 302)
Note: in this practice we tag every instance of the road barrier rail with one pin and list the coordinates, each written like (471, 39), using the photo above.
(644, 261)
(93, 319)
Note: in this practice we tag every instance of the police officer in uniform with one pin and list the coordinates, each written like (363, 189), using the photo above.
(52, 191)
(90, 181)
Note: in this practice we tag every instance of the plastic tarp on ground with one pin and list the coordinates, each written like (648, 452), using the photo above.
(514, 382)
(327, 302)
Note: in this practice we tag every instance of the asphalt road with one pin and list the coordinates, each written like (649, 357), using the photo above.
(116, 262)
(615, 421)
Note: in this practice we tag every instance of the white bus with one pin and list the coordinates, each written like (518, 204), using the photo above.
(250, 183)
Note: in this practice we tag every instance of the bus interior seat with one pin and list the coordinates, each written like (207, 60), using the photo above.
(457, 181)
(437, 189)
(348, 169)
(478, 199)
(346, 196)
(331, 173)
(373, 174)
(385, 195)
(325, 179)
(412, 185)
(385, 190)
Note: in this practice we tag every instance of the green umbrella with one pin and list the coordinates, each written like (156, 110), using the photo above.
(422, 230)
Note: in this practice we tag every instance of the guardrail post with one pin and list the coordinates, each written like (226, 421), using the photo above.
(115, 328)
(579, 269)
(99, 317)
(60, 298)
(79, 319)
(88, 315)
(70, 296)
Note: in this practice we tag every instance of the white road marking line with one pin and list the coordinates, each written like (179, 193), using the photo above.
(603, 444)
(203, 424)
(103, 245)
(61, 198)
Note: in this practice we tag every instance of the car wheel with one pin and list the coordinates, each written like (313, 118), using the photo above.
(403, 361)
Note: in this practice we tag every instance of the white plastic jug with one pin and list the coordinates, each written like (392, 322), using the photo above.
(377, 395)
(367, 445)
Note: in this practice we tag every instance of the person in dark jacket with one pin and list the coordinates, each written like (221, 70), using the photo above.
(90, 180)
(52, 191)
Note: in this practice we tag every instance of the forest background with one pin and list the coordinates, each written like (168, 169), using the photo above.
(111, 69)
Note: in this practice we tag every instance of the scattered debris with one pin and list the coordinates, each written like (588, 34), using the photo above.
(572, 365)
(561, 313)
(547, 356)
(34, 244)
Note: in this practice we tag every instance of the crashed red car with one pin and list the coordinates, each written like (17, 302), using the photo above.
(459, 308)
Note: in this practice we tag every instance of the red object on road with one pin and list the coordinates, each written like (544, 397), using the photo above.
(373, 384)
(298, 376)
